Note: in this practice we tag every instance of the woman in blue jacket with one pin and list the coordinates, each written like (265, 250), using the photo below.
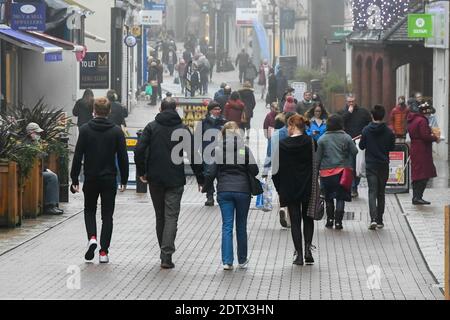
(318, 116)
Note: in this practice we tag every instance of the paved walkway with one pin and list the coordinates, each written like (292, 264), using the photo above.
(353, 264)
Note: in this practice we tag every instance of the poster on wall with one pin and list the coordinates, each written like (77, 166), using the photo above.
(94, 71)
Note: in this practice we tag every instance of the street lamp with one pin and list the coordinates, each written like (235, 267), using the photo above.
(274, 14)
(217, 5)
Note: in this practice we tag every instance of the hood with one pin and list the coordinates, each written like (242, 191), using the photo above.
(412, 116)
(168, 118)
(295, 144)
(101, 124)
(376, 128)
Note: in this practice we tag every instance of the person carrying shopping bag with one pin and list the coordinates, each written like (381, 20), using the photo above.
(234, 168)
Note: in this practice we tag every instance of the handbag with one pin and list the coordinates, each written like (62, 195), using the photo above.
(264, 200)
(149, 90)
(316, 206)
(244, 117)
(360, 161)
(347, 179)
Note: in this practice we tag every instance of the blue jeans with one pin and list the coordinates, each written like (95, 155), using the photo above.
(356, 180)
(231, 202)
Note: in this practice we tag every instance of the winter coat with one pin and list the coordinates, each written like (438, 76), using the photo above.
(83, 111)
(304, 106)
(272, 90)
(398, 120)
(293, 181)
(242, 60)
(153, 153)
(222, 100)
(356, 121)
(118, 114)
(270, 120)
(207, 124)
(233, 111)
(99, 142)
(422, 166)
(315, 127)
(232, 176)
(378, 140)
(282, 85)
(336, 150)
(248, 98)
(251, 72)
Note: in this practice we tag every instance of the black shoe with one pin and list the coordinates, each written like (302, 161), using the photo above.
(309, 260)
(283, 220)
(420, 202)
(355, 193)
(53, 210)
(167, 263)
(338, 226)
(298, 260)
(209, 202)
(329, 224)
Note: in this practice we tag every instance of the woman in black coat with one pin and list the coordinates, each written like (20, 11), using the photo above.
(293, 182)
(248, 98)
(272, 90)
(84, 108)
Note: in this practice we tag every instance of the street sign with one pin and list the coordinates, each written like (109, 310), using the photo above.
(420, 25)
(94, 71)
(205, 7)
(300, 89)
(246, 16)
(130, 41)
(28, 16)
(151, 17)
(440, 12)
(287, 19)
(339, 34)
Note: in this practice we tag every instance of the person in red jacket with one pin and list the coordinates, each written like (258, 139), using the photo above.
(398, 118)
(422, 138)
(234, 109)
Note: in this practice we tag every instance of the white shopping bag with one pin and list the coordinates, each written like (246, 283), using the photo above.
(360, 161)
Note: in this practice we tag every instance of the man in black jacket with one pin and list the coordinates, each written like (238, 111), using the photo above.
(99, 142)
(378, 140)
(156, 165)
(356, 119)
(118, 113)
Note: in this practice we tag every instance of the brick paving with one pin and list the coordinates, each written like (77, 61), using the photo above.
(353, 264)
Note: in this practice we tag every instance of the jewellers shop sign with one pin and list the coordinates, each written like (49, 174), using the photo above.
(28, 16)
(94, 71)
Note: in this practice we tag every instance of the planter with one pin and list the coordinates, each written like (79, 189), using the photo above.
(10, 195)
(55, 163)
(33, 192)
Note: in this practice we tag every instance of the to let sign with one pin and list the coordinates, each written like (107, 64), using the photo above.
(94, 71)
(420, 25)
(28, 16)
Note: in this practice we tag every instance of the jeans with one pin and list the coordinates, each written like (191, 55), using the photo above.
(231, 202)
(51, 188)
(419, 187)
(166, 202)
(335, 211)
(107, 190)
(204, 87)
(297, 213)
(377, 178)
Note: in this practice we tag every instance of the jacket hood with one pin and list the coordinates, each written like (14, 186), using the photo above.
(376, 128)
(168, 118)
(101, 124)
(413, 115)
(295, 144)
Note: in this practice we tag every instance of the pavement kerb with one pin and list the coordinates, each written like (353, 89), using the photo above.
(405, 216)
(41, 232)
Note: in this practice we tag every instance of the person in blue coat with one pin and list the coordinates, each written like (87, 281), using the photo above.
(318, 116)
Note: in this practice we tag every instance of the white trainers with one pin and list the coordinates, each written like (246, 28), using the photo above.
(92, 245)
(103, 257)
(227, 267)
(243, 265)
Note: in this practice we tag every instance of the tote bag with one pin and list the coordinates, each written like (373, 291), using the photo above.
(316, 207)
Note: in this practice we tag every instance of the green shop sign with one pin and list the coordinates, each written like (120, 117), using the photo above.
(341, 33)
(420, 25)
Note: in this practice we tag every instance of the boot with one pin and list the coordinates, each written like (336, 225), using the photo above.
(298, 258)
(330, 214)
(309, 260)
(209, 200)
(338, 222)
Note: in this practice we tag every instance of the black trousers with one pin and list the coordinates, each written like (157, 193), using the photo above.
(107, 190)
(377, 178)
(166, 202)
(297, 213)
(419, 187)
(242, 73)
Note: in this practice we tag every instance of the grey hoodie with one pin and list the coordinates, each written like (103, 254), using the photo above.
(336, 150)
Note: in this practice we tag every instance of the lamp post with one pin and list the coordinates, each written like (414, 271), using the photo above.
(217, 5)
(274, 14)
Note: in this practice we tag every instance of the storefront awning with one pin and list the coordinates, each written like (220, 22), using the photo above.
(27, 41)
(66, 45)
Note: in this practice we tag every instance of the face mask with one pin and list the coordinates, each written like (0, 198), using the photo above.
(35, 137)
